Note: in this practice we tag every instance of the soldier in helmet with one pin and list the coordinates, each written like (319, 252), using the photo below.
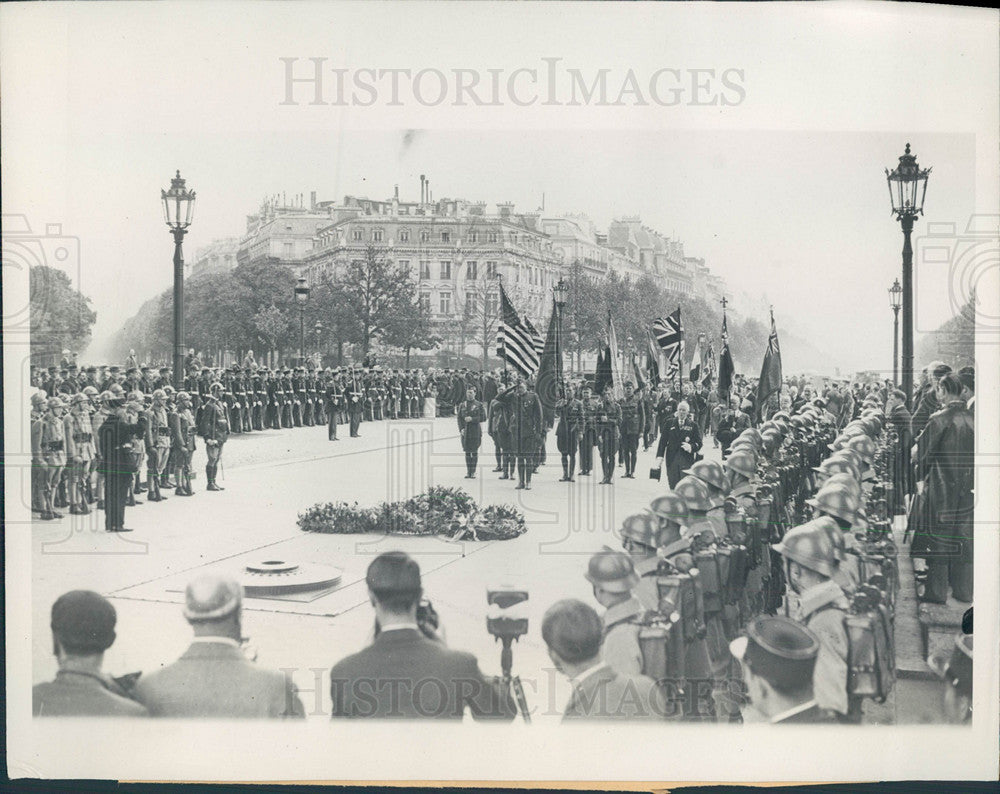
(640, 537)
(38, 408)
(609, 419)
(80, 452)
(810, 566)
(157, 444)
(839, 501)
(182, 440)
(695, 494)
(714, 478)
(632, 424)
(612, 577)
(214, 428)
(53, 444)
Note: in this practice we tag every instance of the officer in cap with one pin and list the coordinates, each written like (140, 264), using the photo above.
(778, 657)
(613, 578)
(810, 567)
(213, 678)
(115, 442)
(83, 628)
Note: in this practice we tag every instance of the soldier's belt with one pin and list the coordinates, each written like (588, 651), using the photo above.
(81, 438)
(53, 446)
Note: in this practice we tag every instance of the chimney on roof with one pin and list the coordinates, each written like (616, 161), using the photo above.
(396, 193)
(312, 200)
(423, 181)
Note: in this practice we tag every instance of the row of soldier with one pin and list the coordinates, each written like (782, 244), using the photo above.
(793, 522)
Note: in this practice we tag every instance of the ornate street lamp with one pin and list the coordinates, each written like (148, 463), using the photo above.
(907, 189)
(318, 329)
(559, 293)
(301, 291)
(895, 299)
(178, 212)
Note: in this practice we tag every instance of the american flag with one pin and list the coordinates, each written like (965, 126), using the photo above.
(515, 342)
(669, 333)
(536, 338)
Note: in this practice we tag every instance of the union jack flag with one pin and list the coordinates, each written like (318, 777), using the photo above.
(669, 333)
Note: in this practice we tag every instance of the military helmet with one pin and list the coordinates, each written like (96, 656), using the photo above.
(642, 528)
(670, 507)
(836, 499)
(135, 396)
(90, 391)
(742, 462)
(159, 395)
(79, 398)
(709, 472)
(837, 541)
(768, 425)
(753, 434)
(694, 493)
(801, 422)
(850, 481)
(864, 446)
(183, 396)
(39, 398)
(781, 415)
(612, 571)
(836, 464)
(55, 402)
(850, 454)
(810, 546)
(169, 389)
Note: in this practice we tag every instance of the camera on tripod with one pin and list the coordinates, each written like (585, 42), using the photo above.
(502, 622)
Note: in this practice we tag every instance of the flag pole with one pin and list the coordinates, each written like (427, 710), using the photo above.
(680, 350)
(503, 342)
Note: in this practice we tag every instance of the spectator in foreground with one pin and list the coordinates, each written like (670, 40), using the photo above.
(213, 678)
(83, 628)
(408, 672)
(573, 633)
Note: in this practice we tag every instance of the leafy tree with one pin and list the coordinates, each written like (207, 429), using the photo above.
(60, 316)
(376, 291)
(410, 327)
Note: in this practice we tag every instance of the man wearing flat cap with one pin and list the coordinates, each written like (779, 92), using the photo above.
(404, 673)
(83, 628)
(213, 678)
(778, 657)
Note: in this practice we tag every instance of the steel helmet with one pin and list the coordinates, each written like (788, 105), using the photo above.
(159, 395)
(709, 472)
(871, 425)
(90, 391)
(169, 389)
(642, 528)
(183, 396)
(837, 541)
(742, 462)
(79, 398)
(772, 440)
(745, 445)
(837, 465)
(768, 425)
(837, 500)
(752, 433)
(810, 546)
(694, 493)
(612, 571)
(781, 415)
(783, 426)
(56, 402)
(38, 399)
(801, 422)
(864, 446)
(117, 392)
(669, 507)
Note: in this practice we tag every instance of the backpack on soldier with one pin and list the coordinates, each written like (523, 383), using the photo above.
(871, 657)
(661, 643)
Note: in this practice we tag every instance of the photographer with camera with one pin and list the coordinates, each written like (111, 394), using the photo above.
(408, 672)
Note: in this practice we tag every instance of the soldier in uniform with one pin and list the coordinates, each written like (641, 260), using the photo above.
(214, 428)
(810, 564)
(53, 445)
(182, 441)
(157, 444)
(471, 414)
(632, 424)
(334, 397)
(499, 430)
(568, 431)
(299, 397)
(640, 538)
(38, 408)
(608, 423)
(778, 657)
(649, 412)
(353, 396)
(591, 407)
(286, 398)
(612, 577)
(80, 452)
(526, 431)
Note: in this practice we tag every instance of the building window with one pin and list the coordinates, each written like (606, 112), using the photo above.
(425, 302)
(425, 268)
(471, 270)
(404, 265)
(445, 271)
(377, 235)
(404, 235)
(425, 236)
(492, 303)
(444, 302)
(356, 235)
(473, 237)
(445, 237)
(471, 302)
(513, 237)
(491, 237)
(491, 270)
(288, 250)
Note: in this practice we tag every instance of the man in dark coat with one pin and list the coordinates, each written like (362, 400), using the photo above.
(925, 401)
(944, 462)
(679, 444)
(408, 672)
(471, 414)
(568, 431)
(117, 437)
(898, 417)
(526, 427)
(609, 420)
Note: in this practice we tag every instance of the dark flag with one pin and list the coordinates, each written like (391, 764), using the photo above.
(515, 343)
(725, 364)
(770, 372)
(669, 333)
(603, 377)
(550, 375)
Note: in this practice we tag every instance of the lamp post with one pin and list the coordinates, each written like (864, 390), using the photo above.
(301, 291)
(178, 212)
(907, 189)
(559, 293)
(895, 296)
(318, 328)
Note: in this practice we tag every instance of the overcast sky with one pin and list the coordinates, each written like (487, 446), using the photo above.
(772, 204)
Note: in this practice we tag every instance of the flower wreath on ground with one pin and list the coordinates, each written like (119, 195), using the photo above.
(439, 511)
